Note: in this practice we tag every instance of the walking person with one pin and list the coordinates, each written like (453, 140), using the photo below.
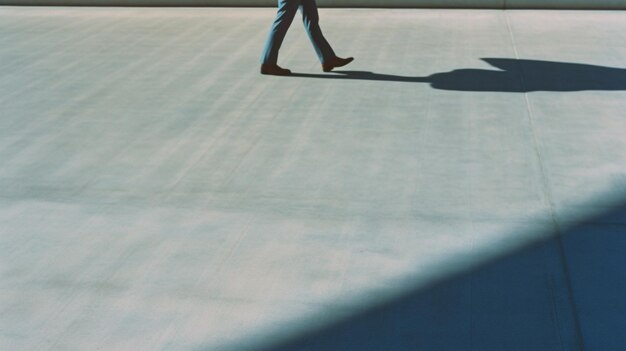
(286, 12)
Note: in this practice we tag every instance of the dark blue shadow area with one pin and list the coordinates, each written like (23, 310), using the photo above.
(514, 76)
(564, 292)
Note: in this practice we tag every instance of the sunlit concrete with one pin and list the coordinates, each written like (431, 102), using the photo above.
(157, 193)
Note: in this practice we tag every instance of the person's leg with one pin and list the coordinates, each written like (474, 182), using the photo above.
(286, 11)
(310, 17)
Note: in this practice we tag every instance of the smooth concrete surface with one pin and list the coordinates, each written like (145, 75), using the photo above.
(466, 4)
(460, 186)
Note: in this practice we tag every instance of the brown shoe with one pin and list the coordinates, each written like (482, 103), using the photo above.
(274, 70)
(336, 62)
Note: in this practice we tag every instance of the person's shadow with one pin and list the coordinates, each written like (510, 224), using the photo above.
(514, 76)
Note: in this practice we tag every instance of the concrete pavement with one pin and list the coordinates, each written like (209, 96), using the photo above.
(459, 185)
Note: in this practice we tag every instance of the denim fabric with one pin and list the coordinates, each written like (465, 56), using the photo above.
(286, 12)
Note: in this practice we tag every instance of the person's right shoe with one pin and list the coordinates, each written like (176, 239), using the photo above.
(274, 70)
(336, 62)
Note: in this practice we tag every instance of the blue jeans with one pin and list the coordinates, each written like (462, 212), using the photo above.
(286, 12)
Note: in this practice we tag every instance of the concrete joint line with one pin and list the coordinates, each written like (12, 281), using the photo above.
(548, 193)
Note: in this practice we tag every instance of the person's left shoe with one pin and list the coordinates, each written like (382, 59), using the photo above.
(274, 70)
(336, 62)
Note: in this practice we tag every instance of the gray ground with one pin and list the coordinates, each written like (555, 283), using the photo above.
(460, 186)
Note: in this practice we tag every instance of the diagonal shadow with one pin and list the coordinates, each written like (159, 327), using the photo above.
(565, 292)
(513, 76)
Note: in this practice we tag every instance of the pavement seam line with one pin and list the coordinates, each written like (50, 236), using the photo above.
(548, 193)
